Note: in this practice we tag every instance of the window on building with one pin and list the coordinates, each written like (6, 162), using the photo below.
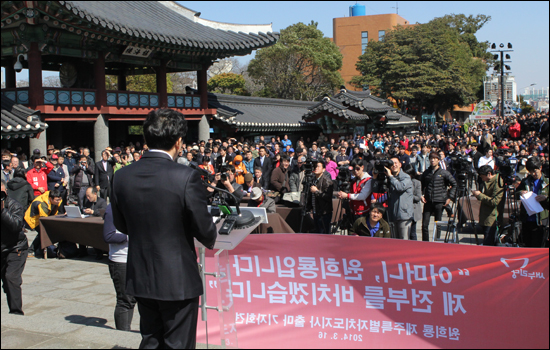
(381, 34)
(364, 41)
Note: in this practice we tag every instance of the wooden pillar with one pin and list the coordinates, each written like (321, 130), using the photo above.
(122, 81)
(10, 75)
(36, 92)
(99, 77)
(162, 86)
(203, 87)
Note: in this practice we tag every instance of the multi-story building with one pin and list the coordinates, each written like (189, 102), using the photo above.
(492, 89)
(352, 35)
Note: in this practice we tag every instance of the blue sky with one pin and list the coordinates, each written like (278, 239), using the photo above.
(523, 23)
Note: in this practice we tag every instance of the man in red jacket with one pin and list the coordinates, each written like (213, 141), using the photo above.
(515, 129)
(38, 175)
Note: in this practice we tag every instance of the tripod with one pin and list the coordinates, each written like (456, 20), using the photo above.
(514, 224)
(462, 194)
(307, 191)
(342, 223)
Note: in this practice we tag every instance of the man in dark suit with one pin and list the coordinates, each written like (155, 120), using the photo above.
(263, 161)
(93, 204)
(162, 206)
(222, 160)
(104, 174)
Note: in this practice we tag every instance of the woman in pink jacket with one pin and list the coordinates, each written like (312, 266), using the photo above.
(331, 167)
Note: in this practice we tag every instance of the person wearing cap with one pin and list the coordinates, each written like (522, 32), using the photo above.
(258, 200)
(249, 184)
(38, 175)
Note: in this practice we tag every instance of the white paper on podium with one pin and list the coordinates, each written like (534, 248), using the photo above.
(530, 203)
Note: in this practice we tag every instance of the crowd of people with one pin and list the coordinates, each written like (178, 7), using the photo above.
(386, 182)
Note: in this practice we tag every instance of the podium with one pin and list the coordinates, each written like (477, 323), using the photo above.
(224, 243)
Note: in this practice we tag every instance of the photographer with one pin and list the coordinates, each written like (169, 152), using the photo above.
(492, 201)
(14, 251)
(533, 226)
(82, 179)
(435, 182)
(297, 175)
(400, 203)
(320, 201)
(360, 190)
(226, 180)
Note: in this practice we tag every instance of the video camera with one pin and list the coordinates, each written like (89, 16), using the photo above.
(506, 166)
(343, 180)
(381, 183)
(461, 164)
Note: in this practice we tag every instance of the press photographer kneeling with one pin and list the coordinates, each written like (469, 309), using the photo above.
(492, 202)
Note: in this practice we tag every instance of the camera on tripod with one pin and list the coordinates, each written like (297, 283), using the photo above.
(506, 166)
(343, 180)
(380, 184)
(463, 168)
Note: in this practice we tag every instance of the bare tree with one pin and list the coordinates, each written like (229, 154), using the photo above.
(183, 79)
(51, 81)
(22, 83)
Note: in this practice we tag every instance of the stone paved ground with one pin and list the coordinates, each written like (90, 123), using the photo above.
(70, 304)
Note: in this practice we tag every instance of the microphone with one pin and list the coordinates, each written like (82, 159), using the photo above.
(243, 219)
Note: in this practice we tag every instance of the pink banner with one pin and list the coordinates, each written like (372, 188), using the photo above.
(324, 291)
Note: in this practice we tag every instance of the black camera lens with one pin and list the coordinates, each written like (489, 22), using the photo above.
(3, 195)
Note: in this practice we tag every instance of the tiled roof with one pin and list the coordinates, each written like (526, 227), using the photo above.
(169, 23)
(257, 113)
(18, 120)
(335, 107)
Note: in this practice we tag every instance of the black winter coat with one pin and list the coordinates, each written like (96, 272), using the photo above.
(21, 190)
(13, 236)
(434, 185)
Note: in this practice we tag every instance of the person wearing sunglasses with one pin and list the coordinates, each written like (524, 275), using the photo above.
(359, 191)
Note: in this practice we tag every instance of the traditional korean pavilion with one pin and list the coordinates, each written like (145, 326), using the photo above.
(350, 111)
(86, 40)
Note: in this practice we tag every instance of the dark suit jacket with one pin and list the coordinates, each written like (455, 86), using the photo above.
(161, 205)
(219, 163)
(266, 168)
(103, 178)
(99, 204)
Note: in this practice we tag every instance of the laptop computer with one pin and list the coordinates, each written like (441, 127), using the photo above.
(74, 212)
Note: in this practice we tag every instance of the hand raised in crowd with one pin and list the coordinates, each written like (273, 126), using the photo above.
(41, 189)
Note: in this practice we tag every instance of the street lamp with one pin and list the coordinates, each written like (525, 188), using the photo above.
(501, 66)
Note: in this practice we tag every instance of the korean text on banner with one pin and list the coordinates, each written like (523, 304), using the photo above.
(320, 291)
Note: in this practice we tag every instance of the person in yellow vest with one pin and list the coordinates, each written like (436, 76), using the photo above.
(46, 204)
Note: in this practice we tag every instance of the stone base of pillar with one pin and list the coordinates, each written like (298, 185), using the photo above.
(204, 129)
(101, 136)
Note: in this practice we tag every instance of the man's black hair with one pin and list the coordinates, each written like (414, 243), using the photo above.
(19, 172)
(230, 168)
(533, 163)
(485, 170)
(378, 207)
(163, 127)
(55, 194)
(357, 161)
